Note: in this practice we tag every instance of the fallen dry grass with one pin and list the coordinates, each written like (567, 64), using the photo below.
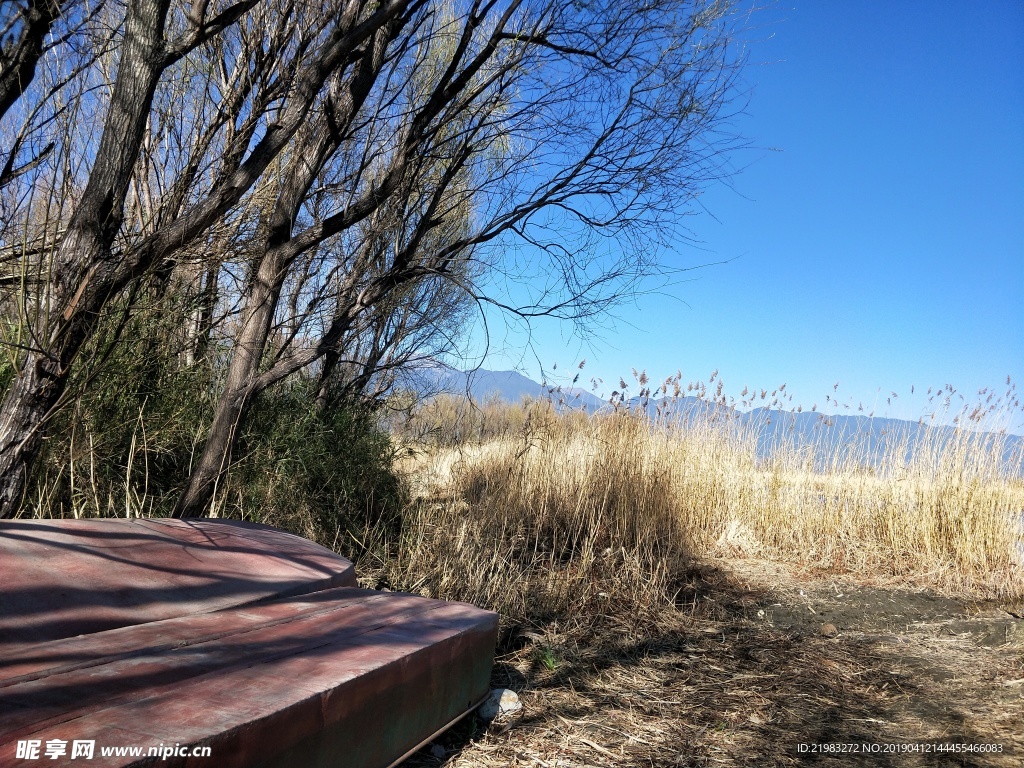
(711, 682)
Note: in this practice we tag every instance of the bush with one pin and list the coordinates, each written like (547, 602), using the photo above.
(324, 475)
(126, 443)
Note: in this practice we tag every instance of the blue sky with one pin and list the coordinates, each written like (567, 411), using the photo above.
(876, 231)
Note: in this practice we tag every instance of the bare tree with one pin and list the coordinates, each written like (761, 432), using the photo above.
(556, 126)
(366, 169)
(270, 92)
(418, 325)
(25, 29)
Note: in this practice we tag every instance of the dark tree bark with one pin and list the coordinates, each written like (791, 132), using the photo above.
(86, 274)
(24, 28)
(84, 255)
(21, 52)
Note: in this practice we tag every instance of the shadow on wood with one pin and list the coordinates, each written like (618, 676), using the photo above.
(178, 634)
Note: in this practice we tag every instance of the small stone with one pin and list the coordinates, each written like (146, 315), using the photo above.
(829, 630)
(501, 701)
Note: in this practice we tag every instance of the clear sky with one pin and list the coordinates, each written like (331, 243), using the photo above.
(876, 231)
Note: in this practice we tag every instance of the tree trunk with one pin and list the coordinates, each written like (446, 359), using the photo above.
(29, 399)
(315, 147)
(204, 314)
(20, 54)
(237, 394)
(83, 265)
(323, 392)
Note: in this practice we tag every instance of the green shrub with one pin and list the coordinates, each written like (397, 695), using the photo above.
(136, 422)
(326, 475)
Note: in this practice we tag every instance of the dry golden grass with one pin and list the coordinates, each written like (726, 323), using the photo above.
(570, 515)
(610, 545)
(549, 509)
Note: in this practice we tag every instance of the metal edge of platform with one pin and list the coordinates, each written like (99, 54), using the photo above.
(437, 733)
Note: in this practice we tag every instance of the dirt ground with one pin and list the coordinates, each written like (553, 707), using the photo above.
(761, 664)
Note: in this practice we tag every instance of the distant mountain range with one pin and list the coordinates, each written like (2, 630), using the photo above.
(510, 386)
(865, 436)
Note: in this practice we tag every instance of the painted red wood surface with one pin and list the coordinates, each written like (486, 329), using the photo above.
(249, 647)
(60, 578)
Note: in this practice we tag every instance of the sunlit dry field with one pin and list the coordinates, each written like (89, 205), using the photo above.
(613, 503)
(666, 592)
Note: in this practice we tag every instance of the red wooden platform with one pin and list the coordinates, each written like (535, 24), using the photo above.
(254, 643)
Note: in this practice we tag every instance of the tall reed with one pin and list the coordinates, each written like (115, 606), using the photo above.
(549, 511)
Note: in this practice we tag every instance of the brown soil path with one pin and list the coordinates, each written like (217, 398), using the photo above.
(741, 673)
(956, 665)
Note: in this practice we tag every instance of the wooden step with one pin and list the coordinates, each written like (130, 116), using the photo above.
(335, 676)
(62, 578)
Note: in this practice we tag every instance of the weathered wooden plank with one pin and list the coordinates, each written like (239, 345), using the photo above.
(377, 681)
(62, 578)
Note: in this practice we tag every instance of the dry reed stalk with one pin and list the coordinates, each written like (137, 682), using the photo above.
(560, 508)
